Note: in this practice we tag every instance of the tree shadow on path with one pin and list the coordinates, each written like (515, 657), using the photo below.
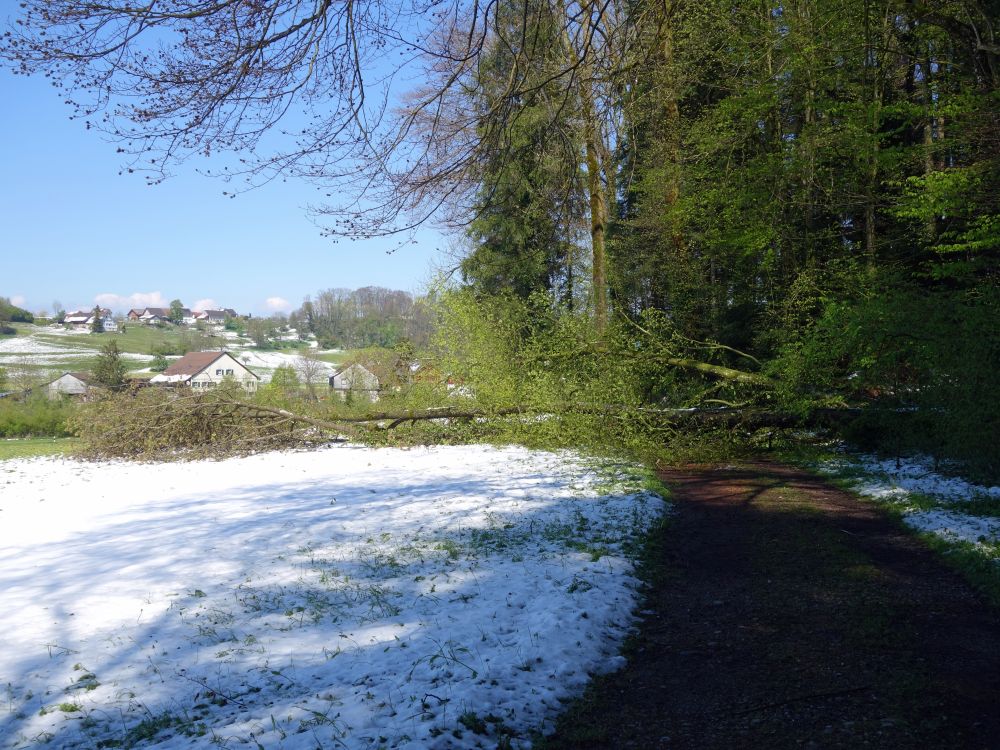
(786, 613)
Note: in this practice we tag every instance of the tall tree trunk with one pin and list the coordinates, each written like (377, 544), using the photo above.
(593, 151)
(598, 210)
(873, 86)
(927, 89)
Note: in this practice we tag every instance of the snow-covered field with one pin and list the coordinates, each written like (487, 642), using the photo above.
(264, 363)
(349, 597)
(949, 507)
(29, 350)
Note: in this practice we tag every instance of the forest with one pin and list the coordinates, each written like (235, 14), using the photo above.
(366, 317)
(681, 223)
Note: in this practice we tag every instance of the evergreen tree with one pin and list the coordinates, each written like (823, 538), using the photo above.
(97, 323)
(109, 370)
(529, 202)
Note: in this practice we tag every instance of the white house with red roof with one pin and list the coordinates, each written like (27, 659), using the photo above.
(204, 370)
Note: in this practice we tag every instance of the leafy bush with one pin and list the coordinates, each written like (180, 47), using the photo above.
(282, 389)
(573, 387)
(36, 416)
(166, 423)
(921, 365)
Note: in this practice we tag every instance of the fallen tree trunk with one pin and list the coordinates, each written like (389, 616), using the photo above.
(156, 424)
(712, 417)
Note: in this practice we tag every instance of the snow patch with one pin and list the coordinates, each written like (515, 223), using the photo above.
(956, 527)
(347, 597)
(889, 480)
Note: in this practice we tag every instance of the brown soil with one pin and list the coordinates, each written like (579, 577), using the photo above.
(786, 613)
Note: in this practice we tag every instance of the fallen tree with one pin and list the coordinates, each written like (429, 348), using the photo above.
(167, 423)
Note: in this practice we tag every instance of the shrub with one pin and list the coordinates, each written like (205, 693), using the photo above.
(36, 416)
(921, 363)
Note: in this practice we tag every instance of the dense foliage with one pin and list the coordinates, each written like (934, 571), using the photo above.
(808, 191)
(176, 422)
(34, 416)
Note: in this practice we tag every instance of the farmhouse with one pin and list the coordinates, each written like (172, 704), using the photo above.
(77, 384)
(76, 318)
(355, 379)
(217, 317)
(155, 315)
(202, 370)
(84, 319)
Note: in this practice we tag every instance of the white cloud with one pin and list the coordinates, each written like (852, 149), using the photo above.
(18, 300)
(206, 304)
(136, 300)
(277, 304)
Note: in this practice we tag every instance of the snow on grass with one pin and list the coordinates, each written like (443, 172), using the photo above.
(956, 527)
(30, 350)
(950, 507)
(430, 598)
(265, 363)
(28, 345)
(917, 475)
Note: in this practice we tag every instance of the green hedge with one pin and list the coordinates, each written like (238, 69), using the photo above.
(36, 416)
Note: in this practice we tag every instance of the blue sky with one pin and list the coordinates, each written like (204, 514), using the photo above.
(76, 231)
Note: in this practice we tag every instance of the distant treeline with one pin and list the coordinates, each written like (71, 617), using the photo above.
(370, 316)
(10, 313)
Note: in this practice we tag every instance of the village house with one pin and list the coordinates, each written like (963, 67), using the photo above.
(76, 317)
(356, 380)
(75, 384)
(204, 370)
(216, 317)
(189, 317)
(84, 319)
(151, 315)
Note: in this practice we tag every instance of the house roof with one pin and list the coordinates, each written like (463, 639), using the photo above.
(84, 377)
(345, 368)
(219, 314)
(163, 312)
(192, 363)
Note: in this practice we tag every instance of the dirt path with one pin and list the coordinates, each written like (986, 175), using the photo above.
(786, 613)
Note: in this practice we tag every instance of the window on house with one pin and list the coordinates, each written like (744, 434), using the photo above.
(229, 372)
(218, 372)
